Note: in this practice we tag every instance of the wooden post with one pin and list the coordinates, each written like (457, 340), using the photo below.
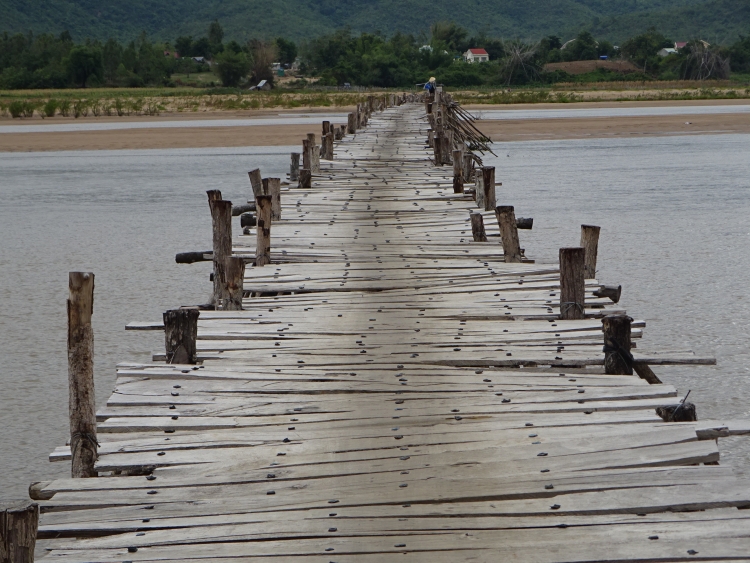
(305, 179)
(19, 522)
(430, 138)
(254, 182)
(590, 243)
(263, 204)
(328, 146)
(272, 187)
(234, 284)
(446, 149)
(479, 190)
(572, 284)
(617, 357)
(506, 219)
(477, 227)
(221, 217)
(488, 174)
(351, 126)
(458, 176)
(326, 128)
(81, 400)
(315, 154)
(338, 133)
(294, 167)
(306, 157)
(467, 167)
(438, 148)
(180, 334)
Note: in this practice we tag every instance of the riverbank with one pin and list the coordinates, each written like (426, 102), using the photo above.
(280, 127)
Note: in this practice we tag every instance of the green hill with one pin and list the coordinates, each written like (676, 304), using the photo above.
(722, 20)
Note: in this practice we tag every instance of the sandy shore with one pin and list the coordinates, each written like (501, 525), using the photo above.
(285, 134)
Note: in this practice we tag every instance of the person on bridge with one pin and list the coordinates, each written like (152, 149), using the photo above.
(430, 86)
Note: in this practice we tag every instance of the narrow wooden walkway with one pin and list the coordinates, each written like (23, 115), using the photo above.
(394, 391)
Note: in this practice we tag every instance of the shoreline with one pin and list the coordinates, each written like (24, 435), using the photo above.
(502, 130)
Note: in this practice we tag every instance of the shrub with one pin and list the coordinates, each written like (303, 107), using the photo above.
(16, 109)
(119, 107)
(64, 108)
(96, 108)
(28, 109)
(80, 108)
(50, 108)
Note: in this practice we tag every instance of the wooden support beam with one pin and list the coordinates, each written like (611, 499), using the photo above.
(315, 154)
(272, 187)
(19, 522)
(524, 222)
(294, 167)
(477, 227)
(180, 334)
(326, 128)
(612, 292)
(351, 126)
(590, 244)
(488, 173)
(617, 357)
(645, 372)
(506, 219)
(263, 246)
(572, 283)
(458, 175)
(221, 218)
(255, 182)
(81, 398)
(479, 190)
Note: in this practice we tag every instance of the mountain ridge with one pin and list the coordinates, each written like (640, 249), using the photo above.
(717, 20)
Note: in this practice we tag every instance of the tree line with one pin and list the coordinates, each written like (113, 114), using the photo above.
(367, 59)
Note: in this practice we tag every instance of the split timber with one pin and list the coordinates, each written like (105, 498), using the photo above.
(394, 391)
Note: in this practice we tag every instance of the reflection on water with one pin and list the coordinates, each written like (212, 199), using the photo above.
(674, 212)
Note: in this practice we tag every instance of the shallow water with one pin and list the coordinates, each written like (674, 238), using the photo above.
(674, 212)
(568, 112)
(91, 124)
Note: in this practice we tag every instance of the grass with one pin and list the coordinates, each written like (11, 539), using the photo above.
(151, 101)
(97, 102)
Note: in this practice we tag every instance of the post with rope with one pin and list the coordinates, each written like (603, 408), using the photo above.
(81, 401)
(180, 335)
(617, 357)
(590, 243)
(572, 284)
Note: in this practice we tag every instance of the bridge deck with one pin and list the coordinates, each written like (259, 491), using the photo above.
(368, 405)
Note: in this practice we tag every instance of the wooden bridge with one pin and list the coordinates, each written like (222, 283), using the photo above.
(394, 390)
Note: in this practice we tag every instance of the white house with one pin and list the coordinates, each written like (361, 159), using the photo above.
(476, 56)
(666, 52)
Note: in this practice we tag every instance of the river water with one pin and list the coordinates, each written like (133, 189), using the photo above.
(674, 212)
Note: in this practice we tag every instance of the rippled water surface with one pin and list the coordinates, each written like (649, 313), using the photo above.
(674, 212)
